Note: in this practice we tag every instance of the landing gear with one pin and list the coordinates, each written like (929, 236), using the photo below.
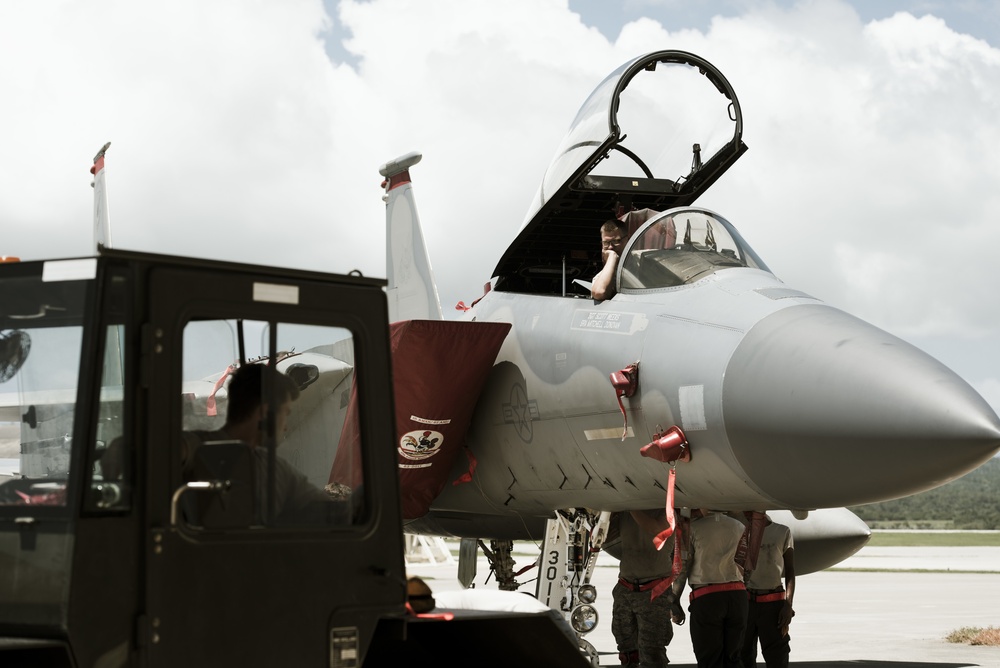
(589, 652)
(573, 540)
(501, 563)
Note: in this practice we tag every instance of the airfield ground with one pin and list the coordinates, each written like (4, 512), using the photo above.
(885, 607)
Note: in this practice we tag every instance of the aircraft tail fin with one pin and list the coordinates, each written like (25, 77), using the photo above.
(412, 292)
(102, 217)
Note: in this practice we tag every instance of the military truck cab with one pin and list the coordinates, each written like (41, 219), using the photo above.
(121, 543)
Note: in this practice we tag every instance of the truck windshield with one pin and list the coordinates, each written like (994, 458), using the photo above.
(41, 334)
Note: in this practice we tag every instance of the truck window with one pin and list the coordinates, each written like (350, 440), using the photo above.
(234, 385)
(42, 398)
(110, 471)
(41, 335)
(110, 454)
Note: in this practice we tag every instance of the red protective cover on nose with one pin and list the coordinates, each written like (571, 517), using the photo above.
(625, 381)
(671, 446)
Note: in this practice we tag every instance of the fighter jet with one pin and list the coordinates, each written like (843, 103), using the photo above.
(767, 397)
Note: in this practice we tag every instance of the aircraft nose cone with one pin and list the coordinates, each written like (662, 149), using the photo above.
(822, 409)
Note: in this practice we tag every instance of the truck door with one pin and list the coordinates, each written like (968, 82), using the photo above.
(255, 556)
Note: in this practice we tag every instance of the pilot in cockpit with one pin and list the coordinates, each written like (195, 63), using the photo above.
(614, 235)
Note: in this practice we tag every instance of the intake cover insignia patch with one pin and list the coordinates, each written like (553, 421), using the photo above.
(420, 444)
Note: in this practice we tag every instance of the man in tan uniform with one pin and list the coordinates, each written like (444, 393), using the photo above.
(770, 604)
(718, 596)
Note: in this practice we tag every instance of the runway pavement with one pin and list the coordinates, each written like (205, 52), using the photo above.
(845, 618)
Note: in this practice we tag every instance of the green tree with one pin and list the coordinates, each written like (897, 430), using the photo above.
(971, 502)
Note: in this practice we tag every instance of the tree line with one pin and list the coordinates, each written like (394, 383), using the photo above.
(971, 502)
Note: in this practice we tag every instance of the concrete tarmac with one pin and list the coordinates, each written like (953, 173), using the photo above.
(846, 618)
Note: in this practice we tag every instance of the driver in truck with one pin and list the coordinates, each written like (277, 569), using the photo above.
(246, 414)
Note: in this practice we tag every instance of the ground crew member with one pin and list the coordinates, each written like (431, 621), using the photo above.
(718, 596)
(640, 617)
(419, 597)
(769, 611)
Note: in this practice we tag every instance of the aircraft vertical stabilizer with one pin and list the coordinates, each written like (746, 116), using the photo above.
(412, 293)
(102, 217)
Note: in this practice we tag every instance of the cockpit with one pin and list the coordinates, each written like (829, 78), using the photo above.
(682, 246)
(652, 137)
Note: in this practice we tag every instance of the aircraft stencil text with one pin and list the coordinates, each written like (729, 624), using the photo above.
(618, 323)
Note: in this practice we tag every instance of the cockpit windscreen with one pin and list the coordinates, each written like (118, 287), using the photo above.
(683, 246)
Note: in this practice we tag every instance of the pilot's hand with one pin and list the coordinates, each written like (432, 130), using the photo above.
(607, 254)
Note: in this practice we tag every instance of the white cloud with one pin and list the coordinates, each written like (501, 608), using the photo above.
(233, 136)
(869, 141)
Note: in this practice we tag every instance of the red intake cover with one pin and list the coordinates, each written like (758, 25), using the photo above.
(439, 368)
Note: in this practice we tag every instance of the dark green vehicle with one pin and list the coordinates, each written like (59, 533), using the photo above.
(127, 541)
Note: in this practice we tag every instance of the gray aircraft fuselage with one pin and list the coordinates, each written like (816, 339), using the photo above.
(785, 402)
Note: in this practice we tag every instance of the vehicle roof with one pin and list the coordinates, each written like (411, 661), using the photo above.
(140, 257)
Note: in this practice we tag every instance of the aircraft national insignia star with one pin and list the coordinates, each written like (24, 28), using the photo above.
(520, 411)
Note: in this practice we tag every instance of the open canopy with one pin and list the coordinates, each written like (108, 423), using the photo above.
(654, 141)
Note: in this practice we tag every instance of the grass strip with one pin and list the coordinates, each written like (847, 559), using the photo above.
(934, 539)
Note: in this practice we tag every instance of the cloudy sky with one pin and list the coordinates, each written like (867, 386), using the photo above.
(253, 131)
